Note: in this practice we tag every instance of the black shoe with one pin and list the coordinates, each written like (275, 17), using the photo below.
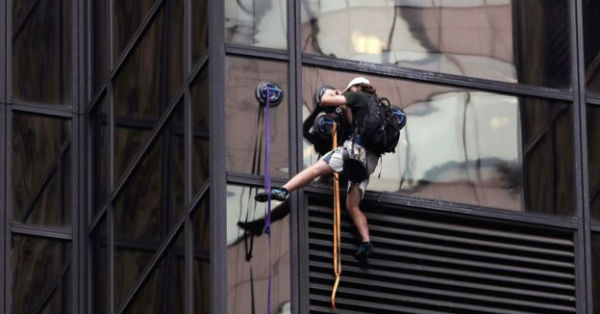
(278, 194)
(256, 226)
(365, 249)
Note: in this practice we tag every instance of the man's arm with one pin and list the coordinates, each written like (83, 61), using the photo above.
(333, 98)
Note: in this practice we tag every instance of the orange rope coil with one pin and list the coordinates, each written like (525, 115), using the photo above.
(337, 258)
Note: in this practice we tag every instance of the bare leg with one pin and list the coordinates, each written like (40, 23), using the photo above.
(360, 220)
(307, 175)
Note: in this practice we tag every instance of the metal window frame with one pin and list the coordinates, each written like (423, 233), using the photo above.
(3, 203)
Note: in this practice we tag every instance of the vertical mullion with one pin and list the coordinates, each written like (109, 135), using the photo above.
(216, 94)
(303, 292)
(294, 114)
(8, 51)
(584, 268)
(8, 216)
(110, 237)
(188, 142)
(3, 72)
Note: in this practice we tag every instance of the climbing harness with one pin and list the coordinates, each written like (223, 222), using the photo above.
(337, 256)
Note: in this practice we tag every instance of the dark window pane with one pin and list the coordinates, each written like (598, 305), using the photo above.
(243, 275)
(201, 227)
(595, 271)
(256, 23)
(41, 51)
(150, 204)
(163, 289)
(591, 27)
(99, 43)
(41, 169)
(99, 155)
(99, 269)
(128, 17)
(469, 146)
(200, 118)
(593, 137)
(511, 41)
(199, 29)
(40, 276)
(148, 82)
(245, 131)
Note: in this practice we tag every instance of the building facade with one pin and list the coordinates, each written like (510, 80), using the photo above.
(132, 145)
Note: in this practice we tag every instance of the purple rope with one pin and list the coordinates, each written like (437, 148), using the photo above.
(268, 189)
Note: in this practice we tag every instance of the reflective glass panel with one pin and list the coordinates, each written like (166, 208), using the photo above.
(201, 227)
(199, 29)
(163, 289)
(41, 51)
(148, 82)
(469, 146)
(510, 41)
(591, 27)
(99, 266)
(128, 16)
(99, 54)
(99, 155)
(260, 23)
(248, 254)
(593, 138)
(149, 205)
(595, 271)
(200, 126)
(245, 117)
(41, 281)
(41, 169)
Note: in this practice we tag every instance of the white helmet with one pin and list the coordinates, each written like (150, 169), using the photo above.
(357, 80)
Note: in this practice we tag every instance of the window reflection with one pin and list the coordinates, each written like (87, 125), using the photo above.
(41, 51)
(593, 137)
(199, 91)
(511, 41)
(199, 29)
(245, 130)
(147, 83)
(149, 205)
(469, 146)
(595, 270)
(200, 220)
(40, 276)
(591, 26)
(261, 23)
(248, 255)
(41, 170)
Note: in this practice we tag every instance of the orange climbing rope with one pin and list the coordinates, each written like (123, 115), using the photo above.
(337, 258)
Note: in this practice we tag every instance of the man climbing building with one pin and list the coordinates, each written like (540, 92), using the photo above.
(355, 102)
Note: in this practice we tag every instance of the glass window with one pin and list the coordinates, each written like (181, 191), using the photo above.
(200, 106)
(163, 289)
(99, 269)
(248, 254)
(201, 227)
(41, 169)
(41, 276)
(245, 117)
(99, 156)
(591, 26)
(593, 138)
(595, 270)
(510, 41)
(469, 146)
(128, 16)
(147, 83)
(99, 44)
(256, 23)
(150, 204)
(199, 29)
(41, 51)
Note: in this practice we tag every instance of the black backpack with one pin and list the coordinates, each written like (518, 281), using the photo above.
(380, 128)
